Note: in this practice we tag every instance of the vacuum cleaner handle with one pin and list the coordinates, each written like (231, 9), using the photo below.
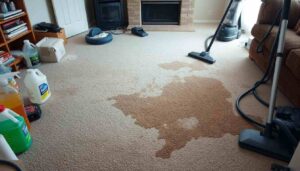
(278, 63)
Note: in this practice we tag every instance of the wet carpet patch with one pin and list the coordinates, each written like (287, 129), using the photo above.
(197, 107)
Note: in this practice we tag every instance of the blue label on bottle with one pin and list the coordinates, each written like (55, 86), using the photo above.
(26, 134)
(44, 90)
(25, 130)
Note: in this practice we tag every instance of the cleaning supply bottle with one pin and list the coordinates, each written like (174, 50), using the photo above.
(31, 54)
(37, 86)
(14, 129)
(3, 70)
(12, 6)
(10, 97)
(4, 8)
(5, 150)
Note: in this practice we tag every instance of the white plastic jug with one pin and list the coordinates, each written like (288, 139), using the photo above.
(37, 86)
(31, 54)
(5, 150)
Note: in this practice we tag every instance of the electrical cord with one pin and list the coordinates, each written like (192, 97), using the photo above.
(269, 72)
(10, 164)
(266, 77)
(117, 31)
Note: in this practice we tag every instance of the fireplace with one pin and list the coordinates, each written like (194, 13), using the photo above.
(110, 14)
(161, 12)
(161, 15)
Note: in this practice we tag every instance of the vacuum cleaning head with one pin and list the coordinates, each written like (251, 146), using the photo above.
(203, 56)
(273, 147)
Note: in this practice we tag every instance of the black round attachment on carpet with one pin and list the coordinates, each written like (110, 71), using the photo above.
(93, 37)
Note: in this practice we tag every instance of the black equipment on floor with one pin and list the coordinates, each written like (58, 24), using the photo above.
(33, 112)
(281, 133)
(276, 167)
(139, 31)
(231, 19)
(47, 27)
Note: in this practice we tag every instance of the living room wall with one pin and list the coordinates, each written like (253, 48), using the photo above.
(205, 11)
(209, 11)
(40, 10)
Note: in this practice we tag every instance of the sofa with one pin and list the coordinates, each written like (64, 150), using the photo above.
(289, 81)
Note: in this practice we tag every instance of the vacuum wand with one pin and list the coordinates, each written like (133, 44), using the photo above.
(205, 56)
(278, 63)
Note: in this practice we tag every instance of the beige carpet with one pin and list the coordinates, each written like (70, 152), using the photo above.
(141, 104)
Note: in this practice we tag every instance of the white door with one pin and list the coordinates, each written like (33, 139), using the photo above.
(71, 15)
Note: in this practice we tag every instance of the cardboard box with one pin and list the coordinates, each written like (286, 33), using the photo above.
(40, 35)
(51, 49)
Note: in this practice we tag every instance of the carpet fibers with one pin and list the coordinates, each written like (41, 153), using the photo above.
(141, 104)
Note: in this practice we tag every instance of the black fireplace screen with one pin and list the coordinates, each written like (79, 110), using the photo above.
(161, 12)
(109, 14)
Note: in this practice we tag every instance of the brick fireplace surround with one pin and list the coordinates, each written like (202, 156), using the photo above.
(186, 17)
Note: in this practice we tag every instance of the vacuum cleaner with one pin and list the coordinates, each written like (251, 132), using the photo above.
(228, 29)
(280, 135)
(231, 28)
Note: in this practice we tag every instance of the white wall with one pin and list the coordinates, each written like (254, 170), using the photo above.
(40, 10)
(250, 14)
(209, 11)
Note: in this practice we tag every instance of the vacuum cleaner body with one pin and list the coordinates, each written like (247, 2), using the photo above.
(227, 30)
(231, 28)
(283, 140)
(229, 33)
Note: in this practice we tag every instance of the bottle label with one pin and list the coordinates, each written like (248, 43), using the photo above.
(35, 60)
(44, 90)
(26, 134)
(25, 130)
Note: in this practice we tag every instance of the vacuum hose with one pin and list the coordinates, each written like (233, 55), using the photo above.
(206, 44)
(266, 77)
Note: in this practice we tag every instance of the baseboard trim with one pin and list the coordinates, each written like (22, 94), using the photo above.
(206, 21)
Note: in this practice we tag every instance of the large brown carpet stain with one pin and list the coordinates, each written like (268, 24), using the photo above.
(197, 107)
(195, 66)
